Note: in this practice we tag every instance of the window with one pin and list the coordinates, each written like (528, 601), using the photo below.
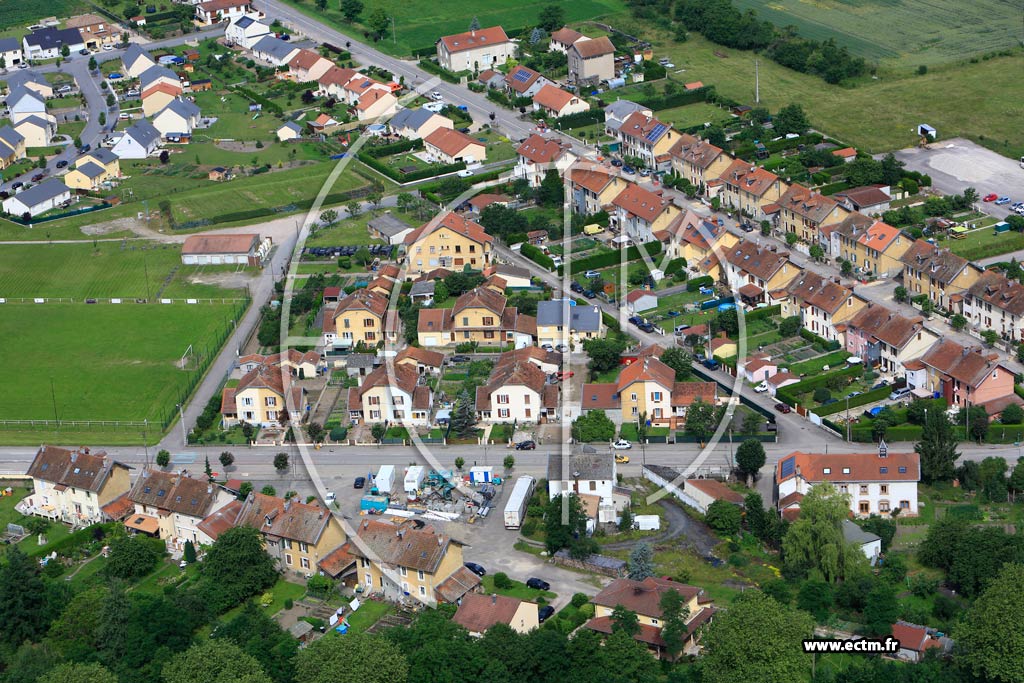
(827, 470)
(371, 336)
(883, 506)
(503, 399)
(655, 395)
(403, 571)
(303, 548)
(503, 412)
(904, 504)
(364, 562)
(304, 562)
(423, 591)
(271, 414)
(368, 322)
(373, 400)
(632, 397)
(884, 489)
(348, 323)
(405, 586)
(419, 575)
(865, 507)
(488, 334)
(488, 321)
(846, 470)
(374, 414)
(654, 622)
(399, 400)
(526, 412)
(270, 401)
(844, 489)
(526, 399)
(635, 410)
(863, 489)
(903, 470)
(286, 544)
(288, 559)
(465, 321)
(593, 486)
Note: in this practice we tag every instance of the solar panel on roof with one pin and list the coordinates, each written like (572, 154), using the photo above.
(788, 467)
(521, 75)
(656, 132)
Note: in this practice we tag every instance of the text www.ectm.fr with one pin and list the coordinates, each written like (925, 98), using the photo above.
(888, 645)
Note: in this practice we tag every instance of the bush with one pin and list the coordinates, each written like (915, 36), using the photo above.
(502, 581)
(529, 528)
(537, 256)
(821, 394)
(611, 258)
(579, 599)
(696, 283)
(288, 603)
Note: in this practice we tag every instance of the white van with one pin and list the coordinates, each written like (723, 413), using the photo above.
(681, 329)
(899, 394)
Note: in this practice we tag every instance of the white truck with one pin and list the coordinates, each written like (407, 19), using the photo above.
(515, 508)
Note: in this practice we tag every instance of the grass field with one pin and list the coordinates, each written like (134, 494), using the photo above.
(353, 231)
(693, 115)
(106, 362)
(887, 110)
(29, 11)
(419, 23)
(984, 242)
(900, 33)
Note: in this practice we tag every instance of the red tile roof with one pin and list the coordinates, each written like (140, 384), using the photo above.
(450, 141)
(337, 561)
(642, 203)
(470, 40)
(540, 150)
(715, 489)
(566, 36)
(962, 363)
(553, 98)
(749, 178)
(647, 369)
(639, 125)
(642, 597)
(594, 47)
(477, 613)
(850, 467)
(220, 244)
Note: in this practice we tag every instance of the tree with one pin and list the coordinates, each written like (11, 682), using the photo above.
(509, 462)
(244, 490)
(791, 119)
(884, 528)
(315, 431)
(65, 51)
(605, 354)
(378, 22)
(207, 470)
(79, 673)
(792, 238)
(846, 269)
(440, 292)
(92, 64)
(236, 567)
(641, 562)
(268, 490)
(354, 208)
(592, 427)
(701, 419)
(361, 656)
(214, 662)
(1012, 415)
(321, 5)
(816, 252)
(990, 337)
(378, 430)
(724, 517)
(460, 462)
(626, 519)
(978, 424)
(566, 525)
(131, 557)
(463, 420)
(729, 322)
(750, 458)
(815, 598)
(790, 326)
(673, 621)
(227, 459)
(715, 135)
(993, 480)
(551, 192)
(281, 462)
(900, 294)
(263, 638)
(815, 540)
(165, 156)
(937, 449)
(958, 322)
(163, 458)
(625, 620)
(756, 639)
(551, 18)
(363, 256)
(989, 637)
(758, 522)
(1016, 482)
(190, 552)
(881, 610)
(678, 360)
(474, 25)
(23, 599)
(329, 217)
(351, 9)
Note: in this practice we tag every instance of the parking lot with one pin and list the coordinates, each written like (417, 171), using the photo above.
(958, 163)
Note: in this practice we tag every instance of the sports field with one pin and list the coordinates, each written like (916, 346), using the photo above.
(419, 23)
(106, 362)
(900, 33)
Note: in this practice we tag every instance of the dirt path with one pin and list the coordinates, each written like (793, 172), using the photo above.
(697, 536)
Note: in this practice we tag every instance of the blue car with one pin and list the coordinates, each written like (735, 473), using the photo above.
(628, 170)
(1002, 200)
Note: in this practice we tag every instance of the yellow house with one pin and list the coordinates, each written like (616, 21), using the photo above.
(357, 319)
(754, 272)
(749, 189)
(297, 535)
(38, 129)
(403, 561)
(876, 249)
(448, 146)
(640, 213)
(824, 305)
(158, 96)
(72, 485)
(643, 598)
(805, 211)
(259, 398)
(698, 160)
(645, 386)
(391, 395)
(376, 103)
(646, 138)
(478, 612)
(480, 315)
(93, 169)
(937, 272)
(451, 242)
(723, 347)
(696, 239)
(593, 188)
(12, 146)
(559, 323)
(171, 506)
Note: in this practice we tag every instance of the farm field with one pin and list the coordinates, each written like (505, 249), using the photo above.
(106, 362)
(889, 108)
(26, 12)
(900, 33)
(419, 23)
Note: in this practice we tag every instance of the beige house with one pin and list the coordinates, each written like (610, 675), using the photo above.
(887, 339)
(824, 305)
(357, 319)
(591, 60)
(478, 612)
(640, 213)
(696, 239)
(749, 189)
(593, 189)
(556, 102)
(158, 96)
(12, 146)
(404, 561)
(517, 391)
(96, 31)
(391, 394)
(698, 160)
(475, 50)
(995, 302)
(72, 485)
(448, 146)
(216, 11)
(873, 247)
(259, 399)
(756, 273)
(646, 138)
(453, 242)
(536, 155)
(172, 505)
(38, 129)
(563, 38)
(376, 103)
(937, 272)
(306, 66)
(414, 124)
(805, 212)
(480, 315)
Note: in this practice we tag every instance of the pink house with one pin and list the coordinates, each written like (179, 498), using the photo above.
(759, 368)
(963, 376)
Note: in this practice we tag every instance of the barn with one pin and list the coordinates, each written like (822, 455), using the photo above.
(243, 249)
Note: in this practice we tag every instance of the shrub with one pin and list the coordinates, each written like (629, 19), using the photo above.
(822, 394)
(502, 581)
(288, 603)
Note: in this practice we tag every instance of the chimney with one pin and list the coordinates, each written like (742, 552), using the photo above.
(287, 504)
(74, 456)
(494, 598)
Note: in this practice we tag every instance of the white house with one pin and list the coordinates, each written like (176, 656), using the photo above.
(414, 124)
(641, 300)
(876, 483)
(38, 199)
(23, 103)
(870, 544)
(11, 52)
(556, 102)
(246, 31)
(475, 50)
(696, 493)
(273, 51)
(139, 141)
(758, 368)
(180, 116)
(47, 43)
(216, 11)
(242, 249)
(391, 394)
(289, 131)
(537, 154)
(136, 61)
(587, 473)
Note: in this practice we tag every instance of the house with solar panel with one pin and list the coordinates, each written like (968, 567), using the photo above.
(874, 483)
(537, 154)
(523, 81)
(475, 50)
(648, 139)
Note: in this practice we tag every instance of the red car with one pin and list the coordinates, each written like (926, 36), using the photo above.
(562, 375)
(990, 197)
(783, 408)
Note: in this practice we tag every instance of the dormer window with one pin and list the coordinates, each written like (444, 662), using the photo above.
(846, 470)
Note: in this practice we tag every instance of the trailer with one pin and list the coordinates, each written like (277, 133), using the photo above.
(515, 508)
(480, 474)
(647, 522)
(384, 480)
(414, 478)
(375, 505)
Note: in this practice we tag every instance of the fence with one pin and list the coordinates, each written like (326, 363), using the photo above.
(76, 425)
(57, 217)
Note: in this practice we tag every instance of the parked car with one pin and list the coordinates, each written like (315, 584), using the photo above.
(899, 394)
(37, 177)
(621, 458)
(990, 197)
(883, 383)
(747, 227)
(83, 51)
(576, 287)
(544, 613)
(591, 274)
(15, 186)
(108, 48)
(783, 408)
(62, 163)
(588, 294)
(84, 148)
(644, 172)
(563, 348)
(617, 163)
(646, 327)
(711, 364)
(761, 388)
(465, 173)
(436, 96)
(460, 359)
(475, 568)
(527, 445)
(622, 445)
(628, 170)
(359, 483)
(853, 394)
(829, 401)
(1002, 200)
(538, 584)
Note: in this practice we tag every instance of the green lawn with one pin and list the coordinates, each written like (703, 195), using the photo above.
(518, 590)
(984, 242)
(693, 115)
(353, 231)
(103, 362)
(368, 614)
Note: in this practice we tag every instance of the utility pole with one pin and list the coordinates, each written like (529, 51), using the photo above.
(53, 398)
(757, 83)
(393, 39)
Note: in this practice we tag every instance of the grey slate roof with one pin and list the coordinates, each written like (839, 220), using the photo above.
(422, 288)
(11, 137)
(620, 109)
(42, 123)
(275, 47)
(386, 224)
(9, 44)
(134, 53)
(154, 72)
(103, 154)
(360, 360)
(291, 125)
(589, 466)
(20, 92)
(244, 22)
(852, 533)
(583, 318)
(48, 38)
(91, 169)
(143, 132)
(21, 78)
(42, 192)
(410, 118)
(182, 108)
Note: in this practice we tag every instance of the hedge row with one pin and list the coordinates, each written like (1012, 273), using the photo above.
(438, 70)
(867, 397)
(610, 321)
(775, 146)
(583, 118)
(833, 345)
(393, 173)
(788, 394)
(679, 99)
(674, 266)
(378, 151)
(268, 105)
(698, 282)
(611, 258)
(832, 188)
(766, 312)
(537, 256)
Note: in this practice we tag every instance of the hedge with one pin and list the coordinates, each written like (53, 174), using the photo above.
(438, 70)
(674, 266)
(698, 282)
(832, 188)
(537, 256)
(779, 145)
(867, 397)
(582, 118)
(378, 151)
(766, 312)
(611, 258)
(788, 394)
(610, 321)
(833, 345)
(409, 177)
(679, 99)
(266, 104)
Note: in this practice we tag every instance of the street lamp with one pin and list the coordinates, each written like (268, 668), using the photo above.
(184, 434)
